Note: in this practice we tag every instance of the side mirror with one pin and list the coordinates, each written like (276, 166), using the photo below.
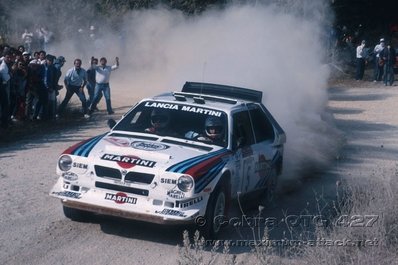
(111, 123)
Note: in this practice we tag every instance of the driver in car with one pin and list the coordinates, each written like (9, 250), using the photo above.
(160, 123)
(214, 132)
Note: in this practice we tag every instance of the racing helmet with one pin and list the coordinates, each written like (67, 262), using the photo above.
(214, 127)
(160, 118)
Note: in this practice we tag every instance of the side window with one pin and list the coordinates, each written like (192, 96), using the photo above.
(262, 127)
(242, 134)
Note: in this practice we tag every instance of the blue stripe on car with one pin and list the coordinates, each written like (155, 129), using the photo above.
(208, 177)
(186, 164)
(86, 148)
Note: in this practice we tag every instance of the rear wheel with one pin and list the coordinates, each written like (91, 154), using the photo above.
(270, 193)
(76, 214)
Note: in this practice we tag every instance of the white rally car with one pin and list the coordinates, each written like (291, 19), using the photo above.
(176, 157)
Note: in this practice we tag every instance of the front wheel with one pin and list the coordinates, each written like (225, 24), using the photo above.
(76, 214)
(215, 214)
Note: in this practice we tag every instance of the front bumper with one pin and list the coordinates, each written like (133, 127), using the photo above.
(132, 206)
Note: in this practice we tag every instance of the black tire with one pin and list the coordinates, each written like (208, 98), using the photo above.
(215, 214)
(76, 214)
(270, 192)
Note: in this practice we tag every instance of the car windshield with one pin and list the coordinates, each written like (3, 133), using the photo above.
(177, 120)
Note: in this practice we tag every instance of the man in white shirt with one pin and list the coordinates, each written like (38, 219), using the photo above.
(102, 76)
(360, 61)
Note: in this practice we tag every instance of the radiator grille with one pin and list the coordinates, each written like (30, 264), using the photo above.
(114, 187)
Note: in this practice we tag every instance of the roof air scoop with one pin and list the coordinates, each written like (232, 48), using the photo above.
(180, 97)
(199, 100)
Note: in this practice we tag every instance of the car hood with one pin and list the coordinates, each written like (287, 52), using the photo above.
(150, 153)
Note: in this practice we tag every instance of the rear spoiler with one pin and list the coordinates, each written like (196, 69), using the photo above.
(223, 91)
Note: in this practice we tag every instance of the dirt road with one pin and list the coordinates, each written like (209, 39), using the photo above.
(33, 229)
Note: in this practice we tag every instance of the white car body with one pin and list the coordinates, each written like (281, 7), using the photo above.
(134, 174)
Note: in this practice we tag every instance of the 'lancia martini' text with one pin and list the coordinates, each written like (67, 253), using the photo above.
(163, 105)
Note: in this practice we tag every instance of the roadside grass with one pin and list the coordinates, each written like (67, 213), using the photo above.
(366, 220)
(362, 229)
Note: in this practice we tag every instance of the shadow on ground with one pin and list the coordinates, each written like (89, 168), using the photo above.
(295, 213)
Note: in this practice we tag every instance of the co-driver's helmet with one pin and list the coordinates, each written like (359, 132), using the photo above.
(160, 118)
(214, 127)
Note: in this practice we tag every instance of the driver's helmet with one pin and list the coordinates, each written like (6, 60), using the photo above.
(160, 118)
(214, 127)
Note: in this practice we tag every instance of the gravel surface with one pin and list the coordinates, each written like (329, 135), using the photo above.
(33, 229)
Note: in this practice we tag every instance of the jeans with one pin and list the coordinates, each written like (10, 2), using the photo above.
(360, 68)
(70, 90)
(90, 90)
(378, 70)
(41, 105)
(388, 74)
(99, 90)
(52, 104)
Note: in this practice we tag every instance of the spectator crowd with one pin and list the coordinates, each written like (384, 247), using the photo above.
(29, 83)
(352, 47)
(383, 57)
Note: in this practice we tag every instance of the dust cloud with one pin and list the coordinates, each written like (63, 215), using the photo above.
(277, 48)
(259, 47)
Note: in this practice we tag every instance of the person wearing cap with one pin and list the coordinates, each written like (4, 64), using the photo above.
(360, 61)
(26, 58)
(378, 64)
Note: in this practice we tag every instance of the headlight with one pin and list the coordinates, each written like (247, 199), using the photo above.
(65, 162)
(185, 183)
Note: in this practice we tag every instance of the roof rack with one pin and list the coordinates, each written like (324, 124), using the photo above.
(223, 91)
